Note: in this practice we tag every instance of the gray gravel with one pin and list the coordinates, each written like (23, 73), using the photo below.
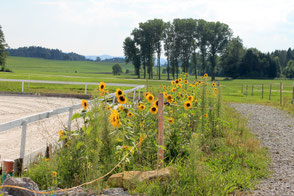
(275, 129)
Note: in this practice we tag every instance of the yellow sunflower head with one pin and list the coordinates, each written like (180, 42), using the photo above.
(108, 107)
(179, 85)
(188, 105)
(146, 94)
(119, 92)
(186, 74)
(153, 110)
(171, 120)
(173, 89)
(121, 99)
(180, 79)
(190, 98)
(61, 133)
(102, 86)
(85, 104)
(169, 98)
(172, 82)
(186, 82)
(196, 101)
(54, 174)
(120, 108)
(130, 114)
(176, 81)
(205, 75)
(205, 115)
(141, 107)
(150, 98)
(164, 87)
(213, 84)
(155, 103)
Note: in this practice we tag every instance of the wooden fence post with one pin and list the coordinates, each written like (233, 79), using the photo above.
(246, 90)
(160, 153)
(18, 167)
(270, 93)
(281, 94)
(252, 90)
(262, 91)
(242, 90)
(293, 94)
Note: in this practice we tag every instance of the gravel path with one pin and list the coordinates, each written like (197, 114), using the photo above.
(275, 129)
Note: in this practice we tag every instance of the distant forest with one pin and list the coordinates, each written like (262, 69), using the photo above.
(45, 53)
(196, 46)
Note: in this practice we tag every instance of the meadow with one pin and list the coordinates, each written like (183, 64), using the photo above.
(84, 71)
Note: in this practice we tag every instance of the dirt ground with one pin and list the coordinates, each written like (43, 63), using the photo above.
(40, 133)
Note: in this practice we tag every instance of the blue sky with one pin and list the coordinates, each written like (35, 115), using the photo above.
(95, 27)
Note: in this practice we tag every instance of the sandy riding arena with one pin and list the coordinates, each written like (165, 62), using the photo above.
(39, 133)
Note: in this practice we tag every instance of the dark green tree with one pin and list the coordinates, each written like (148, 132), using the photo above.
(132, 54)
(202, 42)
(232, 57)
(3, 52)
(289, 69)
(219, 35)
(116, 69)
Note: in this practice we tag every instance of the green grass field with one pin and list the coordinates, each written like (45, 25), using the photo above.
(84, 71)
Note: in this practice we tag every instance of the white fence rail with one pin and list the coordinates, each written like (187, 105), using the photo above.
(63, 82)
(37, 117)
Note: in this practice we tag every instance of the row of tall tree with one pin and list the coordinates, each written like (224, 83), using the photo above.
(45, 53)
(3, 52)
(182, 40)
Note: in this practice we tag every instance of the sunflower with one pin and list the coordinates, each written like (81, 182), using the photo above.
(141, 107)
(190, 98)
(215, 89)
(153, 110)
(213, 84)
(108, 108)
(205, 75)
(172, 82)
(179, 86)
(180, 79)
(188, 105)
(119, 92)
(54, 174)
(130, 114)
(199, 82)
(61, 133)
(120, 107)
(165, 94)
(102, 86)
(146, 94)
(150, 98)
(180, 94)
(169, 98)
(155, 103)
(121, 99)
(186, 74)
(205, 115)
(114, 119)
(164, 87)
(47, 159)
(85, 104)
(186, 82)
(177, 81)
(173, 89)
(171, 120)
(196, 101)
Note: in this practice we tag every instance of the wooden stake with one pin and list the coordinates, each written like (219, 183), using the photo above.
(242, 89)
(246, 90)
(160, 153)
(252, 90)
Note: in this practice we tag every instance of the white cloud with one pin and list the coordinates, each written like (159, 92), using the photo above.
(255, 21)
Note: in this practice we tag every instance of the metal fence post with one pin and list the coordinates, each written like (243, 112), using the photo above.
(160, 153)
(270, 93)
(85, 89)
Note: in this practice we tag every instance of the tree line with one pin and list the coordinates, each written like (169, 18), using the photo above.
(45, 53)
(197, 46)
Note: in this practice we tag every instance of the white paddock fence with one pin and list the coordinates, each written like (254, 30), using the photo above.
(64, 82)
(23, 122)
